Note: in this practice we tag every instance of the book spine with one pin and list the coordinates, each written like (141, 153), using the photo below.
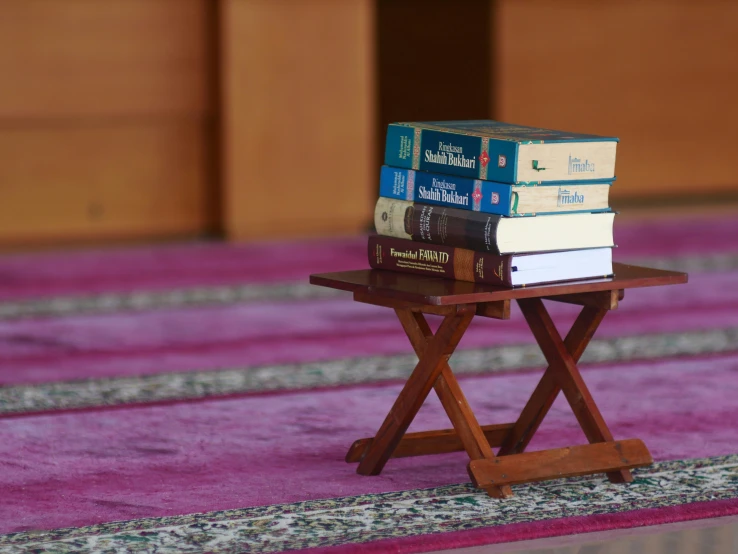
(438, 261)
(446, 190)
(437, 225)
(474, 157)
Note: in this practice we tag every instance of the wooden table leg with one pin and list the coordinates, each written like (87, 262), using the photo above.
(602, 455)
(548, 388)
(452, 398)
(430, 365)
(565, 374)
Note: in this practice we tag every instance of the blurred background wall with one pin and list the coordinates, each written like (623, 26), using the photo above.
(125, 120)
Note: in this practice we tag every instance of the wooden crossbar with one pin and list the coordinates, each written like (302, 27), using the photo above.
(430, 442)
(527, 467)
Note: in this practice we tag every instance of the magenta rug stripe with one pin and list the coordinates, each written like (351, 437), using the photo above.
(257, 334)
(189, 265)
(83, 468)
(542, 529)
(178, 266)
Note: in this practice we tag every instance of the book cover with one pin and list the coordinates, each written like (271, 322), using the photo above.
(493, 197)
(437, 260)
(502, 152)
(491, 233)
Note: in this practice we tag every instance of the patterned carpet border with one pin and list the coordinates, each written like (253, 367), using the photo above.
(148, 300)
(231, 294)
(362, 519)
(214, 383)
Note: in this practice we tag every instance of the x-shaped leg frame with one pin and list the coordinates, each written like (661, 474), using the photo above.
(512, 465)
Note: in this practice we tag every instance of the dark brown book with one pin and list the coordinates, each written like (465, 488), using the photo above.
(492, 233)
(508, 270)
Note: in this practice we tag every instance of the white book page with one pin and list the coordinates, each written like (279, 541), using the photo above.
(561, 266)
(555, 232)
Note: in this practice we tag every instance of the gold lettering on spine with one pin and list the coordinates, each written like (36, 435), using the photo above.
(464, 265)
(479, 268)
(435, 256)
(499, 272)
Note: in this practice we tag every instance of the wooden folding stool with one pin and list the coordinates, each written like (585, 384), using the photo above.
(412, 296)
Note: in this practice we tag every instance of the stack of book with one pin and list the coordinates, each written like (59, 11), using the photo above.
(490, 202)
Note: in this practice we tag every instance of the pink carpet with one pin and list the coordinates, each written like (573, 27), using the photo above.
(92, 467)
(101, 464)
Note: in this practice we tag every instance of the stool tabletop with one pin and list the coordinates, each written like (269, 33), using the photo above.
(436, 291)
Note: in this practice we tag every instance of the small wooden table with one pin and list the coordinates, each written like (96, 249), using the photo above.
(412, 296)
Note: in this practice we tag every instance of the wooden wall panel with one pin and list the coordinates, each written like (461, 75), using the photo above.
(413, 44)
(298, 117)
(128, 180)
(660, 74)
(107, 118)
(72, 58)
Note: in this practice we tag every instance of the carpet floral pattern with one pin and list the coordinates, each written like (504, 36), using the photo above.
(222, 382)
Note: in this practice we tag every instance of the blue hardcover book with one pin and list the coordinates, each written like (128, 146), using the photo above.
(496, 151)
(492, 197)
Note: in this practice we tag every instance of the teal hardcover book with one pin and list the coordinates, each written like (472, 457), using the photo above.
(510, 200)
(502, 152)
